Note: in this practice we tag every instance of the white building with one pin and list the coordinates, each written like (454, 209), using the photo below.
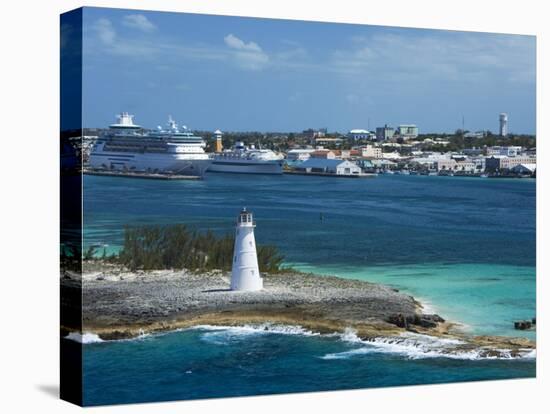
(370, 151)
(245, 273)
(329, 166)
(511, 151)
(299, 154)
(503, 124)
(524, 169)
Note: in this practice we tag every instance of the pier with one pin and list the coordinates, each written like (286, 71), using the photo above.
(142, 174)
(325, 174)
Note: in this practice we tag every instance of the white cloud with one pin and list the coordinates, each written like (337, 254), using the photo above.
(138, 21)
(105, 31)
(431, 56)
(246, 55)
(235, 43)
(107, 40)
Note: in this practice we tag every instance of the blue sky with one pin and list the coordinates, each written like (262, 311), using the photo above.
(243, 74)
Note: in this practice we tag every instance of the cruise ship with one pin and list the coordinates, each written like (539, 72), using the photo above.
(126, 146)
(247, 160)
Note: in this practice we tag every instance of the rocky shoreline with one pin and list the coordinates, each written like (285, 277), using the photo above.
(120, 304)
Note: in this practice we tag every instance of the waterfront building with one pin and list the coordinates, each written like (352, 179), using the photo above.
(501, 162)
(524, 169)
(466, 166)
(245, 272)
(329, 166)
(510, 151)
(503, 124)
(445, 164)
(384, 133)
(479, 163)
(407, 131)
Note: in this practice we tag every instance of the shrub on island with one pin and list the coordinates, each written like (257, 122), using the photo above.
(179, 246)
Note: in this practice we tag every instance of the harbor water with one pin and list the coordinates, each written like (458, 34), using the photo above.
(464, 246)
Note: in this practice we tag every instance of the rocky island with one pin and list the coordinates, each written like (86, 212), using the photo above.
(118, 303)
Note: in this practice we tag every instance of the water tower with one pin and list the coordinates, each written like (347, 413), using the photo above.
(245, 273)
(503, 120)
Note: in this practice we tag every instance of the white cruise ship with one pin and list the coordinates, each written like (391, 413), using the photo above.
(247, 160)
(126, 146)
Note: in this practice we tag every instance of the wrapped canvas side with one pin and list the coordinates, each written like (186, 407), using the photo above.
(71, 206)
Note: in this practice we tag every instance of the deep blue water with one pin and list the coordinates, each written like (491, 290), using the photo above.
(385, 220)
(222, 363)
(466, 247)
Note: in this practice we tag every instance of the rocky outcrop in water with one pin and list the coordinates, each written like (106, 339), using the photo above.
(423, 320)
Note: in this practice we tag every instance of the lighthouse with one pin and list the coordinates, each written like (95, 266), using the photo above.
(245, 274)
(218, 136)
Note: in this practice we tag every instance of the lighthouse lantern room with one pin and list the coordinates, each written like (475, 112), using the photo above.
(245, 274)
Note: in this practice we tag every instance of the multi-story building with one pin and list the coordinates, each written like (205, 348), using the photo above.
(465, 166)
(511, 151)
(384, 133)
(445, 164)
(502, 162)
(407, 131)
(371, 151)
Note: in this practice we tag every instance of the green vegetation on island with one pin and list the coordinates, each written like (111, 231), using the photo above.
(179, 246)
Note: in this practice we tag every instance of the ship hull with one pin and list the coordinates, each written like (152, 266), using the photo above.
(164, 163)
(242, 167)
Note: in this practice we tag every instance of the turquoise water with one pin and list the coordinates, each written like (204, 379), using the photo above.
(485, 299)
(464, 246)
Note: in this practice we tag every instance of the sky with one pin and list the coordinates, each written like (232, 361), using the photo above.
(250, 74)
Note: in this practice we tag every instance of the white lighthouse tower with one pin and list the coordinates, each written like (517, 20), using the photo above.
(245, 274)
(503, 124)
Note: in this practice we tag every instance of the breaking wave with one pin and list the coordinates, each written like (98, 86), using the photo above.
(224, 335)
(407, 345)
(418, 346)
(84, 338)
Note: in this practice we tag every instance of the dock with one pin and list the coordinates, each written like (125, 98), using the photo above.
(141, 174)
(324, 174)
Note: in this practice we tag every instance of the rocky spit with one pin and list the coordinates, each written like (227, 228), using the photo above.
(117, 303)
